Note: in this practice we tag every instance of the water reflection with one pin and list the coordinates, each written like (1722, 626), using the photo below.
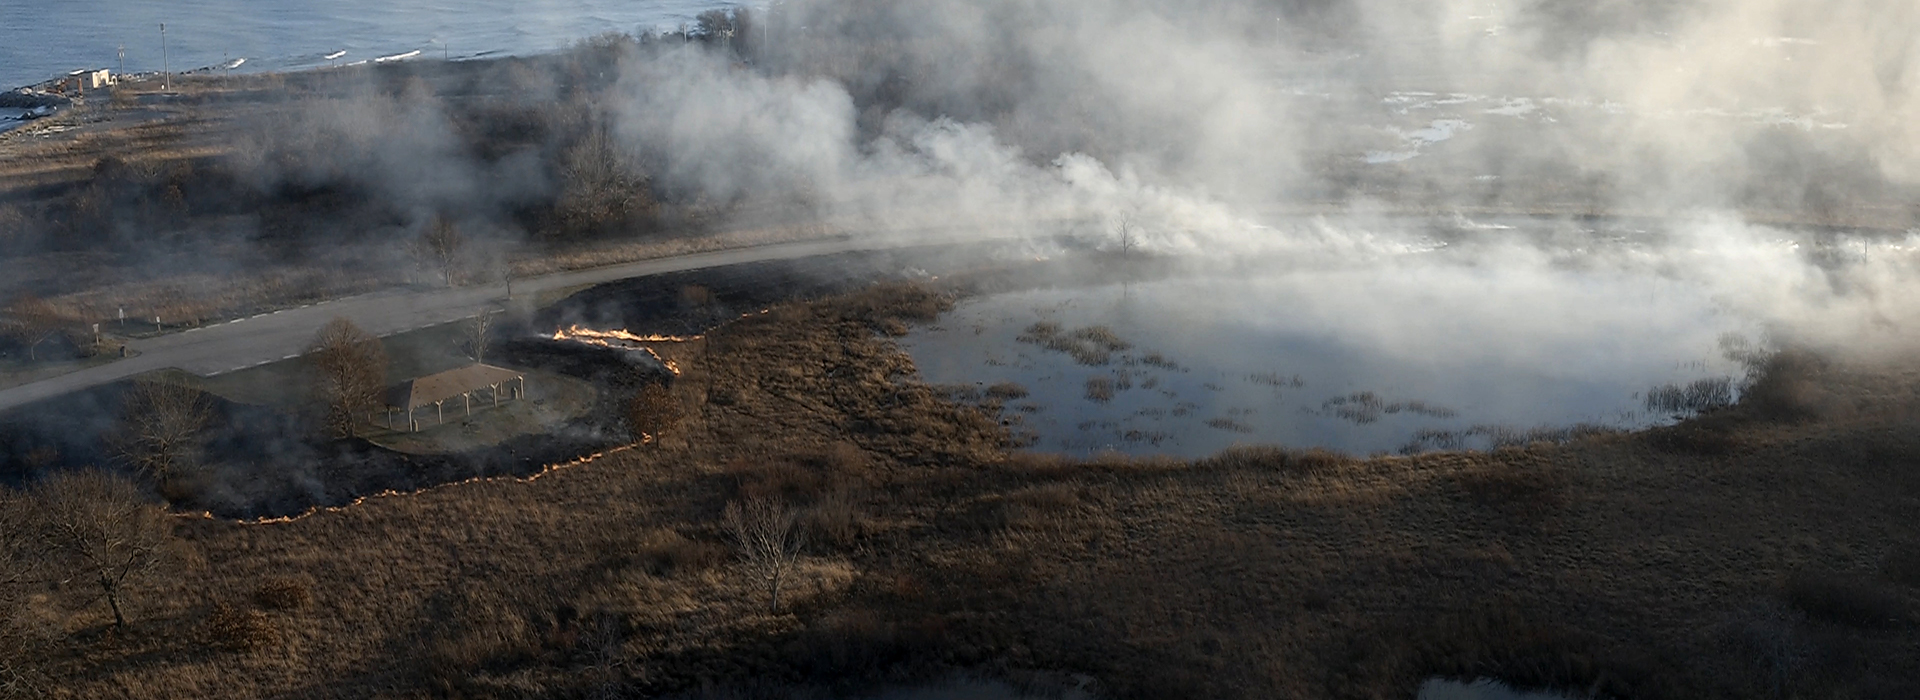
(1381, 358)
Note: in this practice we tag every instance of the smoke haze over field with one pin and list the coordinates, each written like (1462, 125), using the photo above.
(1195, 126)
(1195, 121)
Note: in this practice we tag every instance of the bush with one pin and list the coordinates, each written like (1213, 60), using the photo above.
(1007, 391)
(1781, 387)
(1701, 436)
(282, 594)
(1517, 492)
(833, 520)
(1099, 389)
(1852, 600)
(665, 553)
(233, 629)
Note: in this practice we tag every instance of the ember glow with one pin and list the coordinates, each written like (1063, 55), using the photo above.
(620, 339)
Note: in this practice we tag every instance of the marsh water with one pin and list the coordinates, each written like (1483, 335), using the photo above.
(1396, 357)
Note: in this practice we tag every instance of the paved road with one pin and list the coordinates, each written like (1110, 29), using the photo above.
(284, 334)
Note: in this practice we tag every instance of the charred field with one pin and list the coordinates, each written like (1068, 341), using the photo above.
(1662, 563)
(266, 457)
(1301, 287)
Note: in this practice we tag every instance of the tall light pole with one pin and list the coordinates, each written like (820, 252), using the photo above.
(123, 59)
(166, 71)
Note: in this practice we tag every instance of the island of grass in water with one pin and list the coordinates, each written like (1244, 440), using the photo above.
(1382, 359)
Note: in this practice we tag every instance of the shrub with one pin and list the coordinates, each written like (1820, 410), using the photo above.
(1099, 389)
(231, 628)
(1846, 599)
(1007, 391)
(780, 479)
(1515, 491)
(833, 520)
(1707, 438)
(665, 553)
(282, 594)
(1781, 387)
(1320, 460)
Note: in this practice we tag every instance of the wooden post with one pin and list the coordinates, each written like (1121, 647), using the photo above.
(496, 394)
(439, 414)
(467, 398)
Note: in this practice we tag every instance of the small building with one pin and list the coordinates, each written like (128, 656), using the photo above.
(437, 389)
(89, 79)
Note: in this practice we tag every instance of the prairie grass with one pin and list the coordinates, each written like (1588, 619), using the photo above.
(1258, 572)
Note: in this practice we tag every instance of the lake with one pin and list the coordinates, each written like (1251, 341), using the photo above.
(1408, 354)
(46, 39)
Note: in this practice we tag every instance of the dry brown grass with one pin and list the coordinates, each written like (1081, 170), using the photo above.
(1601, 563)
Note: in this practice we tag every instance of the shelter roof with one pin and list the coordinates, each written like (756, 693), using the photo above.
(435, 388)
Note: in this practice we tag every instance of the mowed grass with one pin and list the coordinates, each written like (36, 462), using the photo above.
(551, 400)
(1624, 564)
(288, 384)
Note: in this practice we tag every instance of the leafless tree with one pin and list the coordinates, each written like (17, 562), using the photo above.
(20, 555)
(770, 542)
(350, 373)
(599, 189)
(100, 528)
(31, 321)
(653, 410)
(161, 428)
(439, 247)
(19, 552)
(1770, 632)
(474, 335)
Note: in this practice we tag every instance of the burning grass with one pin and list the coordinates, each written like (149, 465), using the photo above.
(1259, 572)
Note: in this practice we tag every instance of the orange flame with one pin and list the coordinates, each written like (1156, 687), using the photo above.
(622, 340)
(390, 493)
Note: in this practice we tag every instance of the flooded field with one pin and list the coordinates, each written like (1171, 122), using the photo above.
(1374, 358)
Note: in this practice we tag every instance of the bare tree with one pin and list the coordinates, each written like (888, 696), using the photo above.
(19, 552)
(100, 528)
(1770, 632)
(31, 321)
(439, 246)
(350, 373)
(1128, 227)
(653, 410)
(161, 428)
(770, 541)
(598, 188)
(475, 335)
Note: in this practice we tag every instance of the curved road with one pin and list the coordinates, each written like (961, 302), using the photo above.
(285, 334)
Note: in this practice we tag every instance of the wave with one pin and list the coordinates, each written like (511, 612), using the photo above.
(398, 56)
(334, 55)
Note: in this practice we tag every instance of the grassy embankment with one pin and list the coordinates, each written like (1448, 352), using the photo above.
(1663, 564)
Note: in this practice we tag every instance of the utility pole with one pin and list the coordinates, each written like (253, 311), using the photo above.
(123, 59)
(166, 70)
